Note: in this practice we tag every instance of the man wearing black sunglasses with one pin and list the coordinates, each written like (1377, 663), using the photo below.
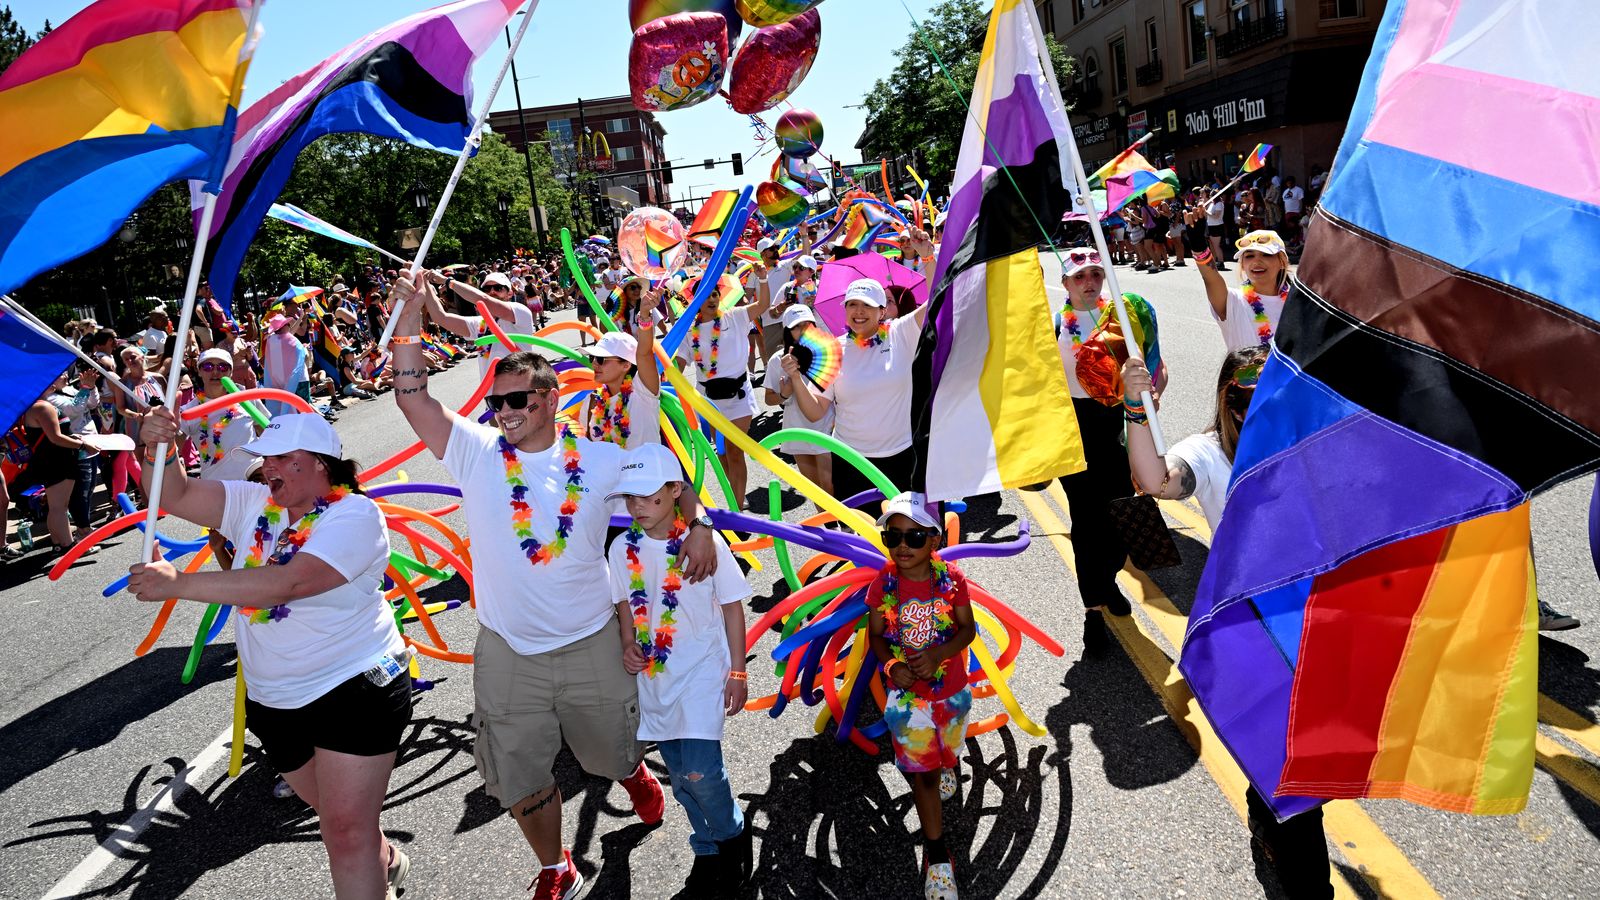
(548, 662)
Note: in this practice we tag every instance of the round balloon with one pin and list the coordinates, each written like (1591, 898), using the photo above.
(642, 11)
(678, 61)
(770, 65)
(762, 13)
(782, 207)
(650, 242)
(799, 132)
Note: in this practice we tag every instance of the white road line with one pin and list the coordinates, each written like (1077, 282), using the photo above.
(84, 873)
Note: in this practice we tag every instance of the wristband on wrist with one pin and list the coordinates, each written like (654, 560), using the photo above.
(406, 339)
(738, 676)
(890, 665)
(1203, 257)
(1133, 418)
(172, 453)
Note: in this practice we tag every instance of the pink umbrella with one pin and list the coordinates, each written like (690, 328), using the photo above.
(836, 277)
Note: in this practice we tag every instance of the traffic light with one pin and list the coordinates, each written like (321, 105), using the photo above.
(838, 171)
(738, 164)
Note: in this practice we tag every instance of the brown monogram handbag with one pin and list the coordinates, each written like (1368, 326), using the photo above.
(1144, 532)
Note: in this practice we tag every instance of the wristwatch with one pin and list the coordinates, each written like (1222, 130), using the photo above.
(702, 520)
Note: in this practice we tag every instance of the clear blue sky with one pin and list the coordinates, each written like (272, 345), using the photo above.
(580, 48)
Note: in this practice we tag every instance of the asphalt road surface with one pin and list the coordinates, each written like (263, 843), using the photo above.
(113, 774)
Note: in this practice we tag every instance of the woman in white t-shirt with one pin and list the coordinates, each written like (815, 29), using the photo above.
(719, 347)
(1201, 466)
(1248, 315)
(871, 397)
(511, 314)
(814, 462)
(325, 669)
(626, 408)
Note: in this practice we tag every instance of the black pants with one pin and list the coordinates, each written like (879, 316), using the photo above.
(1299, 848)
(1097, 547)
(847, 482)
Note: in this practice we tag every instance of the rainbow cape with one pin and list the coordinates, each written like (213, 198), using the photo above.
(823, 356)
(987, 380)
(1365, 627)
(118, 100)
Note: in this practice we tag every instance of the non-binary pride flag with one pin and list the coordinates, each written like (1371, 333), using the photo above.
(1365, 625)
(989, 398)
(31, 359)
(118, 100)
(411, 81)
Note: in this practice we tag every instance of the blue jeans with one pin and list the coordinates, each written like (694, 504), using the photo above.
(700, 783)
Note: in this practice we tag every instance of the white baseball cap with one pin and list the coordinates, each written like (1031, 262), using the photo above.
(615, 344)
(217, 353)
(296, 431)
(1262, 240)
(913, 506)
(765, 244)
(867, 291)
(498, 278)
(1080, 258)
(646, 470)
(806, 260)
(796, 314)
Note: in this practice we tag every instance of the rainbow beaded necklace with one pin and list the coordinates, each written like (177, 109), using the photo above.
(889, 605)
(1259, 311)
(285, 547)
(522, 514)
(656, 644)
(211, 435)
(611, 410)
(872, 340)
(1069, 321)
(716, 338)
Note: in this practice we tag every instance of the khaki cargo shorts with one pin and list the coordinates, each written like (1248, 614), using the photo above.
(527, 705)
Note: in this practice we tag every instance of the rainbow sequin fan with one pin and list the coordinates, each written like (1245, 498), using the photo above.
(826, 357)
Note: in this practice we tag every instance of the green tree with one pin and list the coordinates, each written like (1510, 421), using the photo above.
(916, 108)
(14, 39)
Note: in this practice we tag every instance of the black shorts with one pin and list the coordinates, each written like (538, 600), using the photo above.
(356, 717)
(1216, 231)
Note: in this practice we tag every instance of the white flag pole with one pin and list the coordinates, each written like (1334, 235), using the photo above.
(11, 303)
(473, 138)
(1085, 205)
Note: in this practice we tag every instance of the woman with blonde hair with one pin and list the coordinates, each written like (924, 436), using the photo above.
(1248, 315)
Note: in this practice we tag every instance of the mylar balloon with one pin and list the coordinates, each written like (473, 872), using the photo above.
(678, 61)
(799, 132)
(782, 207)
(770, 65)
(650, 242)
(642, 11)
(762, 13)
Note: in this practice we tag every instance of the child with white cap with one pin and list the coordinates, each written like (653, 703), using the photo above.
(919, 627)
(813, 461)
(685, 644)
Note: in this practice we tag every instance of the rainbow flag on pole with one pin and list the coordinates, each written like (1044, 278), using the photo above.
(713, 217)
(1257, 158)
(988, 385)
(122, 98)
(1388, 648)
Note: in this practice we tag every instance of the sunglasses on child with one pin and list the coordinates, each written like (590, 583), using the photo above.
(915, 538)
(513, 399)
(1079, 257)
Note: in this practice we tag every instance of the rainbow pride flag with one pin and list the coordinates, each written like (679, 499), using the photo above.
(659, 246)
(713, 217)
(1257, 158)
(118, 100)
(1388, 648)
(987, 380)
(862, 225)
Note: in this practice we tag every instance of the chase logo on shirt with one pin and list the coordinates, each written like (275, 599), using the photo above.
(636, 465)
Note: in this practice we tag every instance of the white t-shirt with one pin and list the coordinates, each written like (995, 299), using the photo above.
(326, 638)
(153, 340)
(872, 395)
(1211, 468)
(227, 462)
(1087, 320)
(776, 279)
(613, 277)
(644, 417)
(1239, 328)
(522, 324)
(1214, 213)
(545, 607)
(775, 381)
(685, 699)
(1292, 198)
(733, 345)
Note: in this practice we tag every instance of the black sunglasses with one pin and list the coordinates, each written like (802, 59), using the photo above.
(916, 538)
(513, 399)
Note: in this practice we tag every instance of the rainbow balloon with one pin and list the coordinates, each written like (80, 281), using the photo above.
(642, 12)
(799, 132)
(827, 356)
(782, 207)
(762, 13)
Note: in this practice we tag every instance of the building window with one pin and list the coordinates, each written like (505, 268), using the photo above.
(1047, 16)
(1194, 16)
(1152, 40)
(617, 126)
(1342, 9)
(1079, 10)
(1119, 67)
(625, 154)
(1091, 75)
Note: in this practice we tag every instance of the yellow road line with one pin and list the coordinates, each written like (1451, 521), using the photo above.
(1579, 774)
(1352, 832)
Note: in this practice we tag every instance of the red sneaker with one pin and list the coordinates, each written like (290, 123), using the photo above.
(649, 802)
(554, 885)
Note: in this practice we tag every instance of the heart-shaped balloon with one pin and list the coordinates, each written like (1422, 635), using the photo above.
(781, 207)
(771, 63)
(762, 13)
(678, 61)
(642, 11)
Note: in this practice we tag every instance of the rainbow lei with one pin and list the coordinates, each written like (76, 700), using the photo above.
(286, 546)
(873, 341)
(716, 337)
(657, 646)
(211, 435)
(889, 605)
(522, 513)
(613, 412)
(1259, 310)
(1069, 321)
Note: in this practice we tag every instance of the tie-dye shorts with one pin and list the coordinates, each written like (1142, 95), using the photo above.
(927, 734)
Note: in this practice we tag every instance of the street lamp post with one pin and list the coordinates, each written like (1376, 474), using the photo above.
(527, 148)
(503, 203)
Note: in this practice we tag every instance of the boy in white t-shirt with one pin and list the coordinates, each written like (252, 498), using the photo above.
(685, 644)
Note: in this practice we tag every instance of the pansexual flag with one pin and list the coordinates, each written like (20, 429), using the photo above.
(713, 217)
(989, 397)
(1399, 430)
(411, 81)
(1257, 158)
(118, 100)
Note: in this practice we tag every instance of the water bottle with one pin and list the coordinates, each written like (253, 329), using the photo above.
(25, 535)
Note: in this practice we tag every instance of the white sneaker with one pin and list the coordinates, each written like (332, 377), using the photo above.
(1552, 619)
(948, 781)
(940, 883)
